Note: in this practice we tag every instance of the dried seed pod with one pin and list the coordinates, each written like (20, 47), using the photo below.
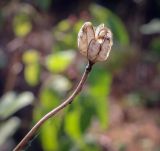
(95, 44)
(85, 35)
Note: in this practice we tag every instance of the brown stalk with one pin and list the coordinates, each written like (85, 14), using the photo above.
(66, 102)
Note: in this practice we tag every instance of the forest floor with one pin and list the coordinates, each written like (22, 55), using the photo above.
(134, 128)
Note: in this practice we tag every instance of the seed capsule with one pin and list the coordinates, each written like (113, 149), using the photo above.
(95, 44)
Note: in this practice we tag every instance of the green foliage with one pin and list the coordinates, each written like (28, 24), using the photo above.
(100, 81)
(63, 26)
(59, 61)
(49, 131)
(72, 124)
(30, 56)
(21, 24)
(49, 99)
(88, 111)
(65, 34)
(31, 74)
(32, 68)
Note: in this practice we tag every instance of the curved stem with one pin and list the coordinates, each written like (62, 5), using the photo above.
(69, 100)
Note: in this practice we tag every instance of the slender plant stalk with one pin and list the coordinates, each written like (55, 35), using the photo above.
(69, 100)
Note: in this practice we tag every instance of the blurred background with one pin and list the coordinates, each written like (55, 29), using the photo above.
(118, 109)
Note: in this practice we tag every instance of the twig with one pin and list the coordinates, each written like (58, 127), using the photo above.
(69, 100)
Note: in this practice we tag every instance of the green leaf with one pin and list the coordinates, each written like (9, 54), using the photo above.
(11, 103)
(60, 61)
(30, 56)
(65, 143)
(65, 34)
(100, 81)
(63, 26)
(72, 125)
(77, 26)
(68, 39)
(21, 25)
(32, 74)
(8, 129)
(37, 113)
(104, 15)
(49, 138)
(48, 99)
(32, 68)
(88, 110)
(49, 131)
(92, 147)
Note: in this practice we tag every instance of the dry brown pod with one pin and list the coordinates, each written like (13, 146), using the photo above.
(95, 44)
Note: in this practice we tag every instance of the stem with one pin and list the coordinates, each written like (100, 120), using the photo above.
(69, 100)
